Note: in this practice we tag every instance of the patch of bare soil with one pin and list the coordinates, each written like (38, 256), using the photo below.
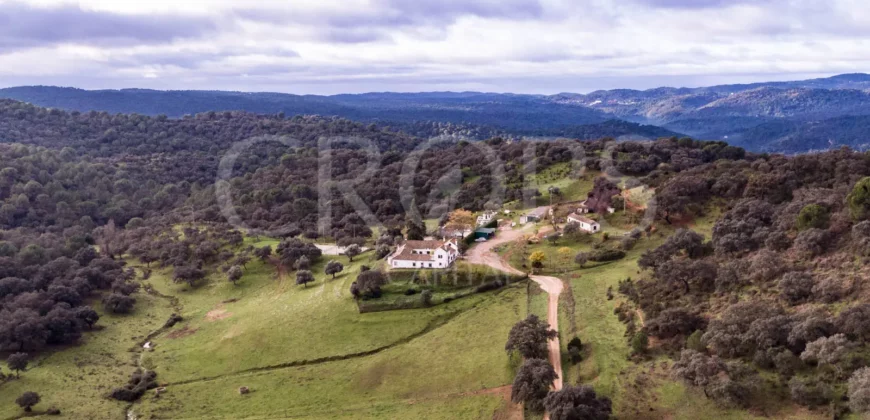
(217, 314)
(184, 332)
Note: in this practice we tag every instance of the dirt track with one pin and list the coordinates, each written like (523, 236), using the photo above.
(482, 253)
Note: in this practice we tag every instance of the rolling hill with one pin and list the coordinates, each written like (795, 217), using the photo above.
(789, 117)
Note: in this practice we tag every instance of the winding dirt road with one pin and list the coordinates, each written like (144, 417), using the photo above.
(482, 254)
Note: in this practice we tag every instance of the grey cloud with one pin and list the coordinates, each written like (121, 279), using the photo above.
(23, 26)
(401, 13)
(353, 35)
(453, 9)
(194, 59)
(697, 4)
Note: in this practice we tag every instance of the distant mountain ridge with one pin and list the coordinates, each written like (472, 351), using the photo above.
(789, 117)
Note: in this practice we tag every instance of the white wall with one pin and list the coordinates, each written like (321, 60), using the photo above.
(418, 264)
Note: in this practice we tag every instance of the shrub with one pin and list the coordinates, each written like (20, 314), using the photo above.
(672, 322)
(829, 289)
(809, 392)
(490, 286)
(118, 303)
(603, 255)
(786, 363)
(778, 241)
(855, 322)
(765, 266)
(859, 390)
(695, 343)
(826, 350)
(627, 243)
(859, 199)
(140, 381)
(426, 297)
(639, 343)
(575, 349)
(577, 402)
(796, 287)
(861, 237)
(812, 242)
(813, 216)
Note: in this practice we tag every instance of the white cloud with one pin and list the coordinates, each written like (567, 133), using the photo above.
(373, 45)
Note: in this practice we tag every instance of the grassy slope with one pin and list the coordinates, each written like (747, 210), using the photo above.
(436, 370)
(275, 322)
(77, 379)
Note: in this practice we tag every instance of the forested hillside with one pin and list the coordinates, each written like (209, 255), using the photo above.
(795, 117)
(771, 306)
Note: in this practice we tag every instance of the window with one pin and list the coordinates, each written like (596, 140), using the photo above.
(430, 265)
(413, 264)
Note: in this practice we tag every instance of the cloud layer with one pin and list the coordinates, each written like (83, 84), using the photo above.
(332, 46)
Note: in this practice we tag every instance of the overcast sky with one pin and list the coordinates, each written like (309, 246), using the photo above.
(524, 46)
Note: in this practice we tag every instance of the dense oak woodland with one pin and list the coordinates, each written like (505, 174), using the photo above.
(779, 286)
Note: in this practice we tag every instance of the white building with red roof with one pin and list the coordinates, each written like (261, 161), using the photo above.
(425, 254)
(585, 223)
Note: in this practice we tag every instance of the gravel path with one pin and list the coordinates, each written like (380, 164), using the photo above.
(482, 253)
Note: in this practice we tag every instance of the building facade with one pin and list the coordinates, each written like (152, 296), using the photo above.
(425, 254)
(585, 223)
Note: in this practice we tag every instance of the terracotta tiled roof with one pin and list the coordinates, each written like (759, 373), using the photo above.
(407, 251)
(580, 218)
(433, 244)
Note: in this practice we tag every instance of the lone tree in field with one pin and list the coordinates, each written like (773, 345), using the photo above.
(529, 337)
(243, 260)
(537, 259)
(368, 284)
(87, 315)
(17, 362)
(553, 238)
(352, 251)
(118, 303)
(532, 383)
(28, 400)
(189, 274)
(303, 263)
(577, 402)
(234, 274)
(572, 229)
(263, 253)
(581, 258)
(333, 267)
(304, 277)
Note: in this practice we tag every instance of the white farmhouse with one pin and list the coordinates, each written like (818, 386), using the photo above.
(585, 223)
(425, 254)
